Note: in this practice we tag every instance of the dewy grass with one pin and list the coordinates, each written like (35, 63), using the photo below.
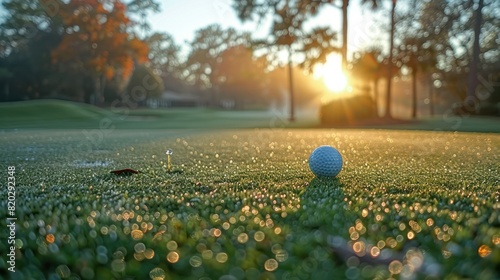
(408, 205)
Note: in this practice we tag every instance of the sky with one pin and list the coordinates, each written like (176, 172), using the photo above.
(182, 18)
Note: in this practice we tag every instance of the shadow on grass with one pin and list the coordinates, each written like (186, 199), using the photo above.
(323, 212)
(328, 228)
(323, 203)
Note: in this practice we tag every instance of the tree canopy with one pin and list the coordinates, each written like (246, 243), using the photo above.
(85, 49)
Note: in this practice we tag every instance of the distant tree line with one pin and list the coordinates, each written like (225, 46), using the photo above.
(83, 50)
(95, 51)
(451, 45)
(435, 43)
(454, 46)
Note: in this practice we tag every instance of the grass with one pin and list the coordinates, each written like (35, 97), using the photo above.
(50, 114)
(407, 205)
(451, 123)
(56, 114)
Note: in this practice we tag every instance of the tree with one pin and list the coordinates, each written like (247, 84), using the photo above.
(144, 83)
(241, 77)
(443, 44)
(413, 53)
(344, 7)
(287, 32)
(25, 19)
(141, 9)
(287, 26)
(368, 67)
(96, 41)
(417, 56)
(474, 64)
(32, 73)
(375, 4)
(164, 59)
(412, 48)
(390, 62)
(284, 26)
(207, 46)
(28, 33)
(316, 45)
(5, 75)
(306, 8)
(307, 88)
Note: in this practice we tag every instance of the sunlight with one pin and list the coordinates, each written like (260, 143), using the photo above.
(332, 74)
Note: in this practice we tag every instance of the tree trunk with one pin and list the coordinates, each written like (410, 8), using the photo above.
(431, 96)
(99, 90)
(103, 89)
(80, 94)
(7, 91)
(414, 92)
(375, 94)
(389, 64)
(214, 92)
(473, 69)
(345, 4)
(290, 84)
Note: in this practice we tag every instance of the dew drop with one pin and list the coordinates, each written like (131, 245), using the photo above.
(63, 271)
(157, 274)
(484, 251)
(195, 261)
(259, 236)
(173, 257)
(118, 265)
(395, 267)
(496, 239)
(137, 234)
(140, 248)
(271, 265)
(172, 245)
(221, 257)
(149, 254)
(375, 252)
(243, 238)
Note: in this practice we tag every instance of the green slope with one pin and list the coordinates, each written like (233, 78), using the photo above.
(50, 114)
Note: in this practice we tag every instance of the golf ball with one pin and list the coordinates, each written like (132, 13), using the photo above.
(325, 161)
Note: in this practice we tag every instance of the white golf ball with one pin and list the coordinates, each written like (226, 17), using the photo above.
(325, 161)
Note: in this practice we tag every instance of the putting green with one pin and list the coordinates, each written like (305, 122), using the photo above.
(242, 204)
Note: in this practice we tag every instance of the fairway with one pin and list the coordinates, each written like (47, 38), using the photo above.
(243, 204)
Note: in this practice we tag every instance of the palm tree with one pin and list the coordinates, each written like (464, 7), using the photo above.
(345, 4)
(288, 22)
(288, 27)
(418, 57)
(367, 67)
(287, 33)
(389, 63)
(473, 72)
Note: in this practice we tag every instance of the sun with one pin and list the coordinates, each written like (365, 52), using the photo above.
(331, 73)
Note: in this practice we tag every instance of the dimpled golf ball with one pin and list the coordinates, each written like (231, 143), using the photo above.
(325, 161)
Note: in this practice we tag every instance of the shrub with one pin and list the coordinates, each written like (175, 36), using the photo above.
(348, 110)
(487, 109)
